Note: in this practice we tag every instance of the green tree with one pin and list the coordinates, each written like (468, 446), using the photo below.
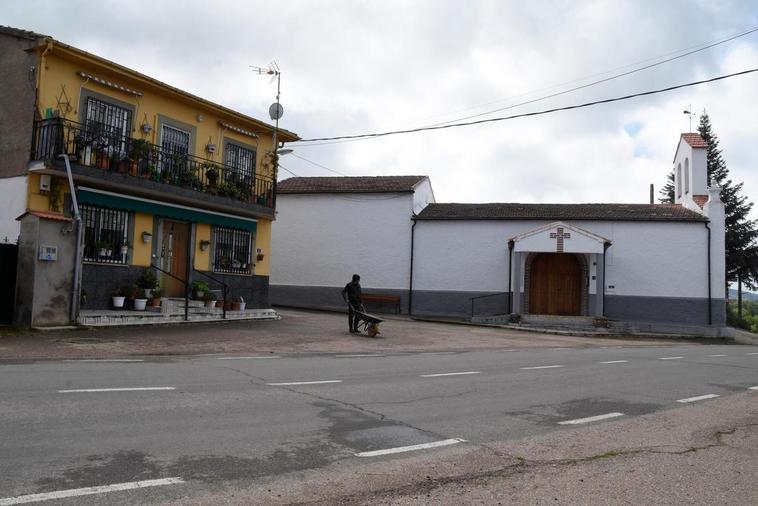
(667, 191)
(741, 233)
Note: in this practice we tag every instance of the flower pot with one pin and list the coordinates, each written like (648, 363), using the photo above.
(103, 162)
(139, 304)
(103, 252)
(156, 302)
(147, 292)
(242, 306)
(118, 302)
(199, 294)
(124, 250)
(210, 303)
(220, 304)
(236, 306)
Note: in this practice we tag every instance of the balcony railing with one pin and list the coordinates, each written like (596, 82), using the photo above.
(98, 146)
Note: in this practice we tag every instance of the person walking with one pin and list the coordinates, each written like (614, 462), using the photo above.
(352, 296)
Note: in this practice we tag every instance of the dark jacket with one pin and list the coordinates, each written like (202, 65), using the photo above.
(352, 294)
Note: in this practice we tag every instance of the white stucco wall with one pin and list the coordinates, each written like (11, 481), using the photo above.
(321, 240)
(646, 259)
(12, 205)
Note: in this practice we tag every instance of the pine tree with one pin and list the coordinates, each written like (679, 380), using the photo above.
(741, 233)
(667, 191)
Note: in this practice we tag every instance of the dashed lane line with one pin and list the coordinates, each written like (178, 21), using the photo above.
(718, 355)
(752, 353)
(295, 383)
(615, 362)
(106, 360)
(540, 367)
(449, 374)
(753, 388)
(698, 398)
(246, 358)
(365, 355)
(669, 358)
(591, 419)
(131, 389)
(402, 449)
(77, 492)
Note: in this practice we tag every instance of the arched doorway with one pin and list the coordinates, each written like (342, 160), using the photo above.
(555, 284)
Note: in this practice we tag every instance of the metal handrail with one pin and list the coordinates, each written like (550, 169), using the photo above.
(472, 299)
(224, 286)
(96, 145)
(186, 291)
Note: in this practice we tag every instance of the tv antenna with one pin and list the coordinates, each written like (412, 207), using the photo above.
(690, 114)
(275, 111)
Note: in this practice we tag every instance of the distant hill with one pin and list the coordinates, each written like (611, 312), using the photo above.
(745, 295)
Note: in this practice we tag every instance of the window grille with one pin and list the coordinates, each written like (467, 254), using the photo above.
(242, 159)
(109, 120)
(232, 253)
(105, 232)
(174, 140)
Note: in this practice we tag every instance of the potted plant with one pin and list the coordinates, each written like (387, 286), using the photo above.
(210, 299)
(104, 157)
(139, 151)
(238, 304)
(124, 249)
(157, 293)
(147, 281)
(211, 173)
(118, 297)
(104, 248)
(199, 287)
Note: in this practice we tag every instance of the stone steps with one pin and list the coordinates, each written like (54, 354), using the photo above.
(114, 318)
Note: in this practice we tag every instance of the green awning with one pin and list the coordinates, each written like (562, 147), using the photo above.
(108, 199)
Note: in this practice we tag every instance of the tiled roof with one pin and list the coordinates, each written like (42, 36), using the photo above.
(48, 215)
(18, 32)
(700, 200)
(695, 140)
(357, 184)
(556, 212)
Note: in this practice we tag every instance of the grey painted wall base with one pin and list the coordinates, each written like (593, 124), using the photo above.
(99, 281)
(330, 298)
(690, 310)
(254, 289)
(457, 304)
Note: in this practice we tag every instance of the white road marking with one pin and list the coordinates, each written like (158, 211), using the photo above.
(134, 389)
(615, 362)
(293, 383)
(246, 358)
(698, 398)
(449, 374)
(669, 358)
(556, 349)
(753, 388)
(401, 449)
(76, 492)
(756, 353)
(358, 356)
(438, 353)
(590, 419)
(540, 367)
(718, 355)
(107, 360)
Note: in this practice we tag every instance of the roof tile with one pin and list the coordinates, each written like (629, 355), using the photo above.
(694, 140)
(359, 184)
(556, 212)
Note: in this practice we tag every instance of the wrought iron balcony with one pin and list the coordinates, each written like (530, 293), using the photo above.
(101, 147)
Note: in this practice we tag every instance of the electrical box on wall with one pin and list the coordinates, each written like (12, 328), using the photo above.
(44, 183)
(48, 253)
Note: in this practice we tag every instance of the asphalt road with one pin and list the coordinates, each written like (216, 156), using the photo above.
(203, 423)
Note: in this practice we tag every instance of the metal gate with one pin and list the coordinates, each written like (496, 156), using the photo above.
(8, 257)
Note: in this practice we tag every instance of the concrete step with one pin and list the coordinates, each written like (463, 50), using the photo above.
(115, 318)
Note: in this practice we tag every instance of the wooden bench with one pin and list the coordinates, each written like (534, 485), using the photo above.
(382, 299)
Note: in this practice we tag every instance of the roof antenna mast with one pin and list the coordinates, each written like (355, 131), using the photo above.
(687, 111)
(275, 111)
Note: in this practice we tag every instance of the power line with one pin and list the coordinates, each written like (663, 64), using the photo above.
(535, 113)
(318, 164)
(689, 51)
(285, 168)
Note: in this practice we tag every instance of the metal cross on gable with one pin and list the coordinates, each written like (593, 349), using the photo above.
(560, 235)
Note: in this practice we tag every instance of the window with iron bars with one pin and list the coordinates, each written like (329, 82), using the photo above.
(108, 124)
(242, 160)
(106, 234)
(232, 250)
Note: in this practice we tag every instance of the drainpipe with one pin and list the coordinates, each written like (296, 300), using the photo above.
(710, 315)
(511, 244)
(606, 245)
(76, 288)
(410, 284)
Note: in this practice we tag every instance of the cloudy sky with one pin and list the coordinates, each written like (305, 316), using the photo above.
(352, 67)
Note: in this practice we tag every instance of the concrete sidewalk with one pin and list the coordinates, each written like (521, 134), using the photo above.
(298, 331)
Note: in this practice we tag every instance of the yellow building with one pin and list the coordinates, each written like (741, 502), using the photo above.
(164, 181)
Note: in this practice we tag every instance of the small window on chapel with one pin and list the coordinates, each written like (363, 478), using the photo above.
(679, 180)
(686, 175)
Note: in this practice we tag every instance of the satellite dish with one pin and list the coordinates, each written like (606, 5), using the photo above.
(276, 111)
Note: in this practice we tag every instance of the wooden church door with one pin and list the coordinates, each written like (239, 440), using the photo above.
(555, 285)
